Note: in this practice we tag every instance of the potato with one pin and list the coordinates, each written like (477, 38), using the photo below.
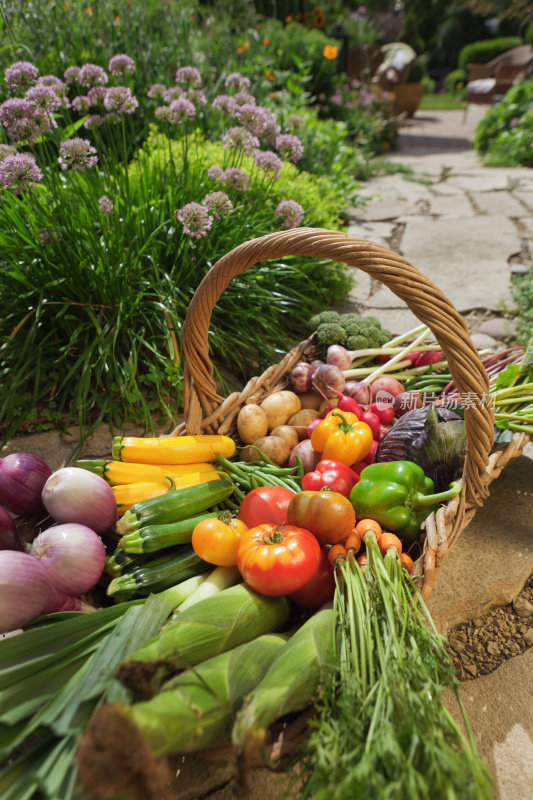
(272, 446)
(301, 420)
(252, 423)
(286, 433)
(311, 400)
(279, 406)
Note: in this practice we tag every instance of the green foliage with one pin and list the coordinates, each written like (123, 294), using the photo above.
(456, 80)
(484, 51)
(528, 35)
(505, 134)
(460, 27)
(417, 71)
(522, 291)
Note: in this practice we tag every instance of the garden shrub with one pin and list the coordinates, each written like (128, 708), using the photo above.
(456, 80)
(505, 134)
(484, 51)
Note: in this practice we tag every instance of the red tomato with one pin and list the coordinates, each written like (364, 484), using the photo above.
(320, 588)
(215, 540)
(328, 515)
(265, 504)
(277, 560)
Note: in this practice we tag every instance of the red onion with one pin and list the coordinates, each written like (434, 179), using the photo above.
(359, 391)
(76, 495)
(9, 538)
(339, 356)
(74, 556)
(22, 477)
(328, 378)
(24, 589)
(302, 377)
(61, 601)
(385, 385)
(305, 451)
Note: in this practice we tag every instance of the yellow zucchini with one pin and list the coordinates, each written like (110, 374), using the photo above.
(119, 472)
(172, 449)
(127, 494)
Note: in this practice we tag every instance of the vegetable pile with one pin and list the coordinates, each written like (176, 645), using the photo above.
(234, 581)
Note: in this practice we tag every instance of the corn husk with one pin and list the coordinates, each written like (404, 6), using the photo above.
(212, 626)
(291, 682)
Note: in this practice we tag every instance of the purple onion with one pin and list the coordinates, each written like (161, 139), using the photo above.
(302, 377)
(22, 477)
(308, 455)
(76, 495)
(9, 538)
(25, 589)
(339, 356)
(60, 601)
(358, 391)
(74, 556)
(329, 380)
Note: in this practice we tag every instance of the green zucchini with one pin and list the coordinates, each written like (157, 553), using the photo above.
(176, 504)
(121, 561)
(150, 538)
(158, 574)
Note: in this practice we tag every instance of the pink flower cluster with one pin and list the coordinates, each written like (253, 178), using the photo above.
(19, 172)
(78, 154)
(290, 212)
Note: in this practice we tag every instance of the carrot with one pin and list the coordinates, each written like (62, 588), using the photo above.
(336, 553)
(407, 562)
(389, 540)
(353, 543)
(365, 526)
(362, 560)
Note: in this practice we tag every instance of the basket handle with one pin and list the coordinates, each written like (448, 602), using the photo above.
(420, 294)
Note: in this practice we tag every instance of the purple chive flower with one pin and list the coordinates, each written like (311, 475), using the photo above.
(336, 98)
(92, 75)
(289, 146)
(7, 150)
(240, 139)
(254, 118)
(225, 102)
(269, 162)
(43, 98)
(78, 154)
(197, 96)
(174, 93)
(93, 121)
(81, 104)
(290, 212)
(19, 172)
(272, 129)
(21, 120)
(48, 236)
(195, 219)
(218, 203)
(97, 95)
(120, 100)
(106, 205)
(189, 76)
(20, 76)
(163, 114)
(216, 174)
(244, 98)
(121, 65)
(111, 117)
(237, 179)
(181, 110)
(157, 90)
(236, 80)
(71, 74)
(295, 121)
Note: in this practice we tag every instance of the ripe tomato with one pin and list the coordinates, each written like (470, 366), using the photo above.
(329, 515)
(277, 560)
(320, 588)
(215, 540)
(265, 504)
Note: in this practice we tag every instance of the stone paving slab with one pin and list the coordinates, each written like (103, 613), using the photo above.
(378, 232)
(525, 196)
(454, 205)
(468, 262)
(497, 203)
(488, 180)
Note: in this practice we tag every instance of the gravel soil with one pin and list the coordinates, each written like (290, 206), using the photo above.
(479, 646)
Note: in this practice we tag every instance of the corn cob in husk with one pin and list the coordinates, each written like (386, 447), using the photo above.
(291, 681)
(212, 626)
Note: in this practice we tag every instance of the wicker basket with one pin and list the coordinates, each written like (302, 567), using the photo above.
(207, 412)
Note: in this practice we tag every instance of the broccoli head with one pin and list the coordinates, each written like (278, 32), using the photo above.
(357, 341)
(324, 316)
(331, 333)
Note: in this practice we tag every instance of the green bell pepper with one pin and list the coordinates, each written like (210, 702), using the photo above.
(398, 495)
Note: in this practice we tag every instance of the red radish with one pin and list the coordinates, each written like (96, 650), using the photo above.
(406, 401)
(343, 403)
(385, 412)
(312, 425)
(372, 420)
(386, 384)
(430, 357)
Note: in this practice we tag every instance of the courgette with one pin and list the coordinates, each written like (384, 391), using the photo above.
(150, 538)
(120, 562)
(158, 574)
(176, 504)
(172, 449)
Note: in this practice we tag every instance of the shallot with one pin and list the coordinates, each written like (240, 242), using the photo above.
(9, 538)
(25, 589)
(302, 377)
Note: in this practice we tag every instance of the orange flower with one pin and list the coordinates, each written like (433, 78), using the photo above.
(330, 52)
(269, 76)
(257, 26)
(288, 18)
(319, 18)
(243, 47)
(266, 41)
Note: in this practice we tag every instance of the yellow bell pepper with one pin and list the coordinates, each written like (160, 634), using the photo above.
(342, 437)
